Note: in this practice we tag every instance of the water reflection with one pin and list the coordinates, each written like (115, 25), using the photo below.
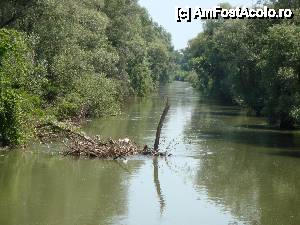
(252, 186)
(139, 121)
(157, 185)
(36, 189)
(248, 172)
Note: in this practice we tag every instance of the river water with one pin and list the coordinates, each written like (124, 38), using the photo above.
(226, 168)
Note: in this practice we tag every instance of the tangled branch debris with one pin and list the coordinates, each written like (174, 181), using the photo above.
(95, 148)
(79, 144)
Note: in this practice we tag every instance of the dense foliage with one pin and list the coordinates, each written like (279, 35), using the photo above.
(183, 71)
(17, 87)
(255, 63)
(70, 58)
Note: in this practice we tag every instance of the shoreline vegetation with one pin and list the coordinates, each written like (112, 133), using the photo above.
(252, 63)
(63, 61)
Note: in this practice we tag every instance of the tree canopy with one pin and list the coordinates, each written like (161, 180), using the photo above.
(79, 58)
(254, 63)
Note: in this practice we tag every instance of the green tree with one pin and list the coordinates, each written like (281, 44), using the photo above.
(254, 63)
(77, 58)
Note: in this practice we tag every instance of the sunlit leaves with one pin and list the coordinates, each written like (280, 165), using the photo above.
(254, 62)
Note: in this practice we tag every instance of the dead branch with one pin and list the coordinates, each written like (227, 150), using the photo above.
(160, 125)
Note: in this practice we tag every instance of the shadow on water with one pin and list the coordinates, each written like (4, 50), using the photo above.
(266, 127)
(267, 139)
(286, 153)
(231, 126)
(222, 113)
(228, 113)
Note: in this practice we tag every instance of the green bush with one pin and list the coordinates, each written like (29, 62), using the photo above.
(141, 79)
(93, 95)
(9, 117)
(15, 84)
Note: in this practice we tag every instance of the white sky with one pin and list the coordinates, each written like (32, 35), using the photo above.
(163, 12)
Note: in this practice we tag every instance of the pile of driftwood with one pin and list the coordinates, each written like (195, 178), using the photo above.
(95, 148)
(79, 144)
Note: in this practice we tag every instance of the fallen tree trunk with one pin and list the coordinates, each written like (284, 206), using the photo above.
(160, 125)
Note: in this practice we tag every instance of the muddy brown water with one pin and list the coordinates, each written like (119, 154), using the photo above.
(226, 168)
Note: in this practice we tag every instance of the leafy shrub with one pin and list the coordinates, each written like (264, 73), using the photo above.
(9, 117)
(15, 82)
(141, 79)
(93, 95)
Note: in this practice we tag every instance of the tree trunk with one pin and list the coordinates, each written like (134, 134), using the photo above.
(160, 125)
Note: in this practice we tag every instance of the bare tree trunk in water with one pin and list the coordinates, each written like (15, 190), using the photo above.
(160, 125)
